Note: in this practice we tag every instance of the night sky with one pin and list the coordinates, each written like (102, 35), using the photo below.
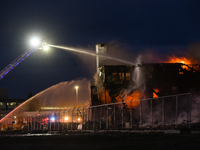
(128, 27)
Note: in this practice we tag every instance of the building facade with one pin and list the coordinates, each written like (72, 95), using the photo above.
(6, 104)
(117, 82)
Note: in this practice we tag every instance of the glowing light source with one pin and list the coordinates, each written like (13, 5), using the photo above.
(76, 87)
(52, 118)
(79, 119)
(35, 42)
(66, 118)
(46, 47)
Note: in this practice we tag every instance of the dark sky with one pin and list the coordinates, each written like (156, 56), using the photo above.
(127, 25)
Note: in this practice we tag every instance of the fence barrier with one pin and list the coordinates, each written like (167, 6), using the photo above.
(167, 112)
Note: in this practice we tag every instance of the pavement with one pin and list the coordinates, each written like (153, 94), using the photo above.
(100, 140)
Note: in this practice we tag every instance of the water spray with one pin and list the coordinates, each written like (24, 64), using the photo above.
(91, 53)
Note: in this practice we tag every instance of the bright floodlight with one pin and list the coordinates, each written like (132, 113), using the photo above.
(45, 47)
(76, 87)
(66, 118)
(35, 42)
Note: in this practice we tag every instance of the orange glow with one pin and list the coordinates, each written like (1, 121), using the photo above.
(136, 95)
(154, 94)
(180, 72)
(174, 59)
(102, 97)
(183, 60)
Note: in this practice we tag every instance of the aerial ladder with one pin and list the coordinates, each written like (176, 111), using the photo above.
(18, 60)
(15, 63)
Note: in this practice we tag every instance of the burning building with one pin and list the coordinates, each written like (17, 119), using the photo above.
(118, 83)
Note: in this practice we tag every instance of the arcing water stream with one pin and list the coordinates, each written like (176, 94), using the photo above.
(91, 53)
(59, 96)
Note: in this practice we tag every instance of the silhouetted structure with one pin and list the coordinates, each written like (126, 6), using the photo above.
(156, 79)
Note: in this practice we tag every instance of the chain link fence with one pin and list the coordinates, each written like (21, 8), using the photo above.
(168, 112)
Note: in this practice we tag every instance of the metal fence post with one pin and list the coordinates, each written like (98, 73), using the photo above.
(190, 102)
(107, 118)
(58, 121)
(94, 118)
(151, 113)
(122, 116)
(140, 113)
(100, 117)
(31, 123)
(176, 112)
(50, 121)
(37, 123)
(83, 116)
(34, 122)
(28, 123)
(88, 117)
(40, 122)
(131, 117)
(77, 118)
(68, 119)
(72, 119)
(55, 120)
(163, 112)
(114, 116)
(63, 122)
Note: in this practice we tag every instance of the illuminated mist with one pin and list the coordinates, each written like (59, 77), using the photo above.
(62, 95)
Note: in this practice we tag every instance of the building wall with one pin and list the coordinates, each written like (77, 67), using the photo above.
(3, 93)
(152, 80)
(7, 105)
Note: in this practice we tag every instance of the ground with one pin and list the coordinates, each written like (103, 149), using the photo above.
(117, 141)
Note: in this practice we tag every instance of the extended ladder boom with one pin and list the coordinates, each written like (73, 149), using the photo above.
(14, 64)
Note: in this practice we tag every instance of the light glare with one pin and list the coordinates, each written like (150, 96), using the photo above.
(52, 119)
(45, 47)
(35, 42)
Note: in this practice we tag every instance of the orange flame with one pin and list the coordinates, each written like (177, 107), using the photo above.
(154, 94)
(183, 60)
(105, 97)
(174, 59)
(136, 95)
